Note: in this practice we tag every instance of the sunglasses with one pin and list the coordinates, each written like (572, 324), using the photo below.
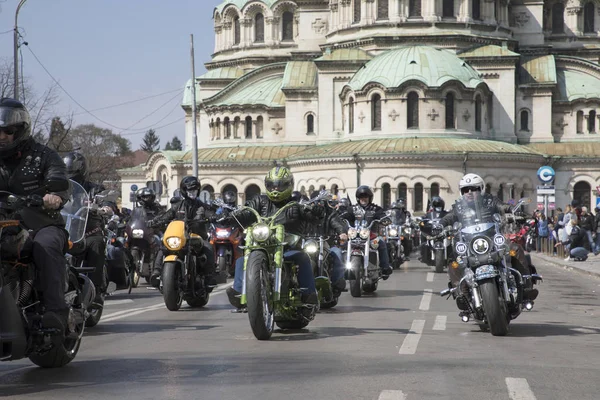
(9, 130)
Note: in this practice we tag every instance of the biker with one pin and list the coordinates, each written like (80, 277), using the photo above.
(279, 182)
(364, 198)
(229, 198)
(25, 166)
(399, 213)
(436, 211)
(196, 211)
(146, 197)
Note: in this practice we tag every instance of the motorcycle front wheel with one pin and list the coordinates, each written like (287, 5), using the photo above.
(439, 261)
(494, 307)
(222, 267)
(259, 296)
(356, 285)
(172, 293)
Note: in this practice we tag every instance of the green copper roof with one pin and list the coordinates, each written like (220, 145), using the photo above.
(245, 153)
(345, 55)
(222, 73)
(300, 75)
(266, 92)
(487, 51)
(573, 85)
(430, 65)
(241, 3)
(570, 150)
(537, 70)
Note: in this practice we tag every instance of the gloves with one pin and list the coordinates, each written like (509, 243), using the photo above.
(150, 224)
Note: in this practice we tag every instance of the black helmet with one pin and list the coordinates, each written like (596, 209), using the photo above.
(146, 196)
(437, 203)
(364, 191)
(296, 196)
(229, 198)
(399, 205)
(344, 203)
(189, 187)
(76, 166)
(314, 194)
(15, 122)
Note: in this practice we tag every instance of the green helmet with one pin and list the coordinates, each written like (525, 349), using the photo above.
(279, 183)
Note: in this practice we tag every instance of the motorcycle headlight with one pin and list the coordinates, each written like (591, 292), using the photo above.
(393, 232)
(137, 233)
(408, 231)
(365, 233)
(352, 233)
(174, 243)
(311, 247)
(480, 246)
(223, 233)
(261, 232)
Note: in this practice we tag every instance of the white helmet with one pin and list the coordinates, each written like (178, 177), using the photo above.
(471, 180)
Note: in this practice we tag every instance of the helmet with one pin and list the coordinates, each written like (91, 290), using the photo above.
(314, 194)
(344, 202)
(296, 196)
(471, 182)
(76, 166)
(399, 204)
(146, 196)
(437, 202)
(189, 187)
(364, 191)
(279, 183)
(16, 122)
(229, 198)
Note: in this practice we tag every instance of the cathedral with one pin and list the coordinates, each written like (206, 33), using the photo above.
(405, 96)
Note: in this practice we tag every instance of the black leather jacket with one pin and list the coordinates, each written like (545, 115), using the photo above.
(95, 224)
(330, 224)
(372, 212)
(588, 222)
(25, 174)
(194, 211)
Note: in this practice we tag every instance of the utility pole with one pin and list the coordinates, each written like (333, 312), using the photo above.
(16, 50)
(194, 128)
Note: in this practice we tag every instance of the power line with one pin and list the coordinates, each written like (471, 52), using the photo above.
(155, 111)
(5, 32)
(131, 101)
(158, 127)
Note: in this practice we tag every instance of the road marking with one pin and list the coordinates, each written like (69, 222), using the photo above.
(392, 395)
(426, 300)
(430, 276)
(440, 323)
(518, 389)
(411, 341)
(117, 302)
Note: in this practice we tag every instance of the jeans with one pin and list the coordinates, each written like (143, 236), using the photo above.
(338, 264)
(48, 255)
(590, 239)
(305, 273)
(580, 253)
(384, 257)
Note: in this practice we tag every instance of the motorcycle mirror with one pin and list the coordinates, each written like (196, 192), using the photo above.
(525, 200)
(12, 199)
(57, 185)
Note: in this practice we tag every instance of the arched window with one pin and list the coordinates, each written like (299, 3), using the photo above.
(211, 127)
(259, 127)
(588, 17)
(579, 121)
(402, 191)
(386, 195)
(412, 110)
(287, 26)
(236, 30)
(227, 125)
(478, 113)
(209, 189)
(435, 189)
(488, 188)
(450, 124)
(236, 127)
(448, 9)
(351, 115)
(218, 129)
(592, 122)
(558, 18)
(231, 188)
(582, 192)
(418, 197)
(525, 120)
(500, 193)
(334, 189)
(383, 9)
(259, 28)
(248, 127)
(251, 192)
(376, 112)
(357, 11)
(476, 9)
(414, 8)
(310, 124)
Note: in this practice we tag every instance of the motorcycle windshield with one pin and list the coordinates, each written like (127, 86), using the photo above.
(475, 212)
(75, 212)
(138, 218)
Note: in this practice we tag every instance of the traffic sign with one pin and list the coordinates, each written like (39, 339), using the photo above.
(546, 174)
(134, 188)
(540, 206)
(205, 196)
(551, 206)
(546, 190)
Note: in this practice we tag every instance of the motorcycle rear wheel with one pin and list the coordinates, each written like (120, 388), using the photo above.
(494, 307)
(172, 293)
(259, 297)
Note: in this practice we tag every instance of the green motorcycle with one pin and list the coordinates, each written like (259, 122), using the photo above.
(270, 286)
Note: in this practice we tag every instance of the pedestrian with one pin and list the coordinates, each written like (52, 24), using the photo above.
(557, 226)
(543, 231)
(575, 243)
(566, 223)
(587, 224)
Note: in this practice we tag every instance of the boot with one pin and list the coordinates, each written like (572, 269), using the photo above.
(530, 294)
(234, 298)
(56, 319)
(386, 272)
(310, 299)
(155, 277)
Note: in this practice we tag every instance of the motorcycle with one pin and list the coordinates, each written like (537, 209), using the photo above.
(142, 242)
(226, 242)
(436, 248)
(490, 290)
(21, 332)
(394, 242)
(362, 262)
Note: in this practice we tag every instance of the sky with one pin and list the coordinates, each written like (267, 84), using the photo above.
(107, 52)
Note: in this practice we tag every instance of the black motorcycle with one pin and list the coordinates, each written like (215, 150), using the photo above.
(436, 245)
(142, 242)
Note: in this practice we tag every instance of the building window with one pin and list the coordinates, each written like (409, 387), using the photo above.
(351, 116)
(418, 197)
(310, 124)
(448, 9)
(259, 127)
(450, 124)
(500, 193)
(558, 18)
(477, 113)
(236, 30)
(236, 127)
(592, 122)
(376, 112)
(383, 9)
(287, 26)
(412, 114)
(435, 189)
(218, 129)
(582, 193)
(525, 120)
(227, 125)
(357, 12)
(588, 17)
(259, 28)
(248, 127)
(476, 9)
(414, 8)
(402, 191)
(386, 195)
(580, 121)
(251, 192)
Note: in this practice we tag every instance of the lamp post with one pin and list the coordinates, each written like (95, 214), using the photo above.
(16, 50)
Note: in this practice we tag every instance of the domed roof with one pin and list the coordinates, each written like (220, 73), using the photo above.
(429, 65)
(575, 85)
(241, 3)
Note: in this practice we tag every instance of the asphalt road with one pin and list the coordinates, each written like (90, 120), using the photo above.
(404, 342)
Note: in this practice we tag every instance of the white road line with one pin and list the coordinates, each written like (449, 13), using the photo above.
(430, 276)
(426, 300)
(440, 323)
(117, 302)
(392, 395)
(518, 389)
(411, 341)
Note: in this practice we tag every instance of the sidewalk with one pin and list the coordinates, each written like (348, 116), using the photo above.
(591, 266)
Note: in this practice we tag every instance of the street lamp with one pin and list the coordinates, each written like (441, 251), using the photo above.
(16, 50)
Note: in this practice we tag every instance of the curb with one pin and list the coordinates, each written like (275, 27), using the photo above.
(567, 267)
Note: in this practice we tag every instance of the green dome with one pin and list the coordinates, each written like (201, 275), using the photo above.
(241, 3)
(429, 65)
(575, 85)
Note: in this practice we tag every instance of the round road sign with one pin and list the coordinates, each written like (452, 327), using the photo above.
(546, 174)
